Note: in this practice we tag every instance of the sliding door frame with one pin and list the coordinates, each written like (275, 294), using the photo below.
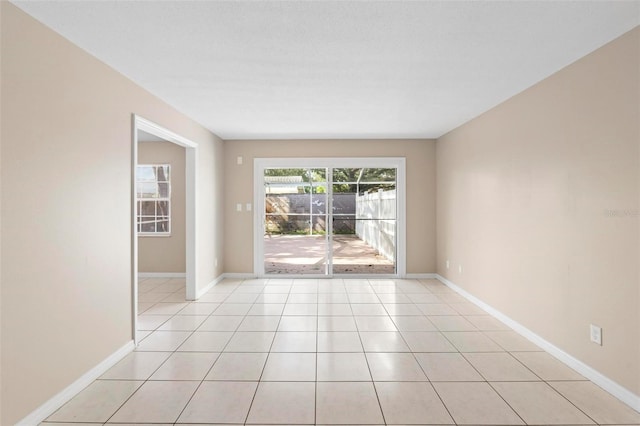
(261, 164)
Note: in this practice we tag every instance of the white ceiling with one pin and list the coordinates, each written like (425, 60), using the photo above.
(336, 69)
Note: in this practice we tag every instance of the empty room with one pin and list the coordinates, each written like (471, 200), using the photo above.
(320, 212)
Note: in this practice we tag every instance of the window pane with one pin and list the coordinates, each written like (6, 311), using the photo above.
(148, 227)
(163, 190)
(148, 208)
(163, 208)
(147, 190)
(163, 173)
(163, 226)
(346, 174)
(145, 173)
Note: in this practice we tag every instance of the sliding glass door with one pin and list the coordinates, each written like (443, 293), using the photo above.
(295, 225)
(323, 219)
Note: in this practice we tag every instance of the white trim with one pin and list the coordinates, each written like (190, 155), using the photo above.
(191, 155)
(260, 164)
(162, 275)
(615, 389)
(62, 397)
(423, 276)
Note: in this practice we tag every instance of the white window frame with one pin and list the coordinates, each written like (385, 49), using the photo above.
(167, 199)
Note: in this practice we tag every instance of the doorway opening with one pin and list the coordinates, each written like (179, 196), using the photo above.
(151, 211)
(329, 216)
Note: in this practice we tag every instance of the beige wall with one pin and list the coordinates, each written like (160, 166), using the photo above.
(420, 163)
(165, 254)
(66, 209)
(525, 193)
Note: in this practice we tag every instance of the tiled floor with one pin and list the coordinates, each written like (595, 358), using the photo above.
(330, 352)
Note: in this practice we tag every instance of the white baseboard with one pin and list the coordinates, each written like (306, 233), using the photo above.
(49, 407)
(615, 389)
(162, 275)
(421, 276)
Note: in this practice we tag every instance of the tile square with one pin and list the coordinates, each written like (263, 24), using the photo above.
(238, 366)
(447, 367)
(546, 366)
(250, 341)
(467, 309)
(341, 323)
(300, 309)
(402, 309)
(368, 309)
(343, 367)
(339, 341)
(475, 404)
(486, 323)
(436, 309)
(363, 298)
(335, 309)
(220, 402)
(136, 366)
(197, 308)
(221, 323)
(151, 322)
(512, 341)
(395, 367)
(303, 298)
(411, 403)
(206, 341)
(347, 403)
(283, 403)
(183, 323)
(413, 323)
(425, 298)
(186, 366)
(163, 341)
(452, 323)
(156, 402)
(290, 367)
(97, 402)
(427, 341)
(500, 367)
(383, 341)
(472, 341)
(212, 298)
(294, 341)
(333, 298)
(393, 298)
(298, 323)
(233, 309)
(166, 308)
(259, 323)
(538, 403)
(266, 309)
(375, 323)
(241, 298)
(273, 298)
(598, 404)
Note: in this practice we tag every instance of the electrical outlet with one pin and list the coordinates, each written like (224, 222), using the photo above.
(239, 207)
(239, 161)
(447, 263)
(596, 334)
(460, 268)
(248, 207)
